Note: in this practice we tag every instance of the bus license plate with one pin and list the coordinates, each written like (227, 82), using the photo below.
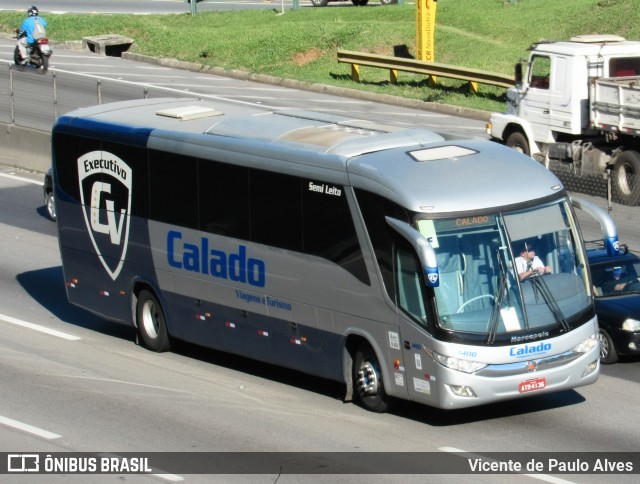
(533, 385)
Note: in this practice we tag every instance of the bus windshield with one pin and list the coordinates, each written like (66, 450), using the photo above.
(502, 273)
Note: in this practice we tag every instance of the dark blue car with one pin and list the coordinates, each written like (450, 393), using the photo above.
(616, 281)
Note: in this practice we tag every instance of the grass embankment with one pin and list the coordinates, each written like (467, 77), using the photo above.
(491, 35)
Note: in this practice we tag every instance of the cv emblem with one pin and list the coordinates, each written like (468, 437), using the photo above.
(105, 193)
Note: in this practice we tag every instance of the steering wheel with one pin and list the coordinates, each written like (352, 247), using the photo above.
(481, 296)
(535, 274)
(632, 285)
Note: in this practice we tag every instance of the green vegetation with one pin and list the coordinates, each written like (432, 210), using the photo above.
(491, 35)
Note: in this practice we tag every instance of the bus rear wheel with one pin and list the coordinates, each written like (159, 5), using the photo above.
(50, 204)
(151, 323)
(367, 380)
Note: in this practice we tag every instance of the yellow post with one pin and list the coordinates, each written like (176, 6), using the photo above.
(426, 24)
(355, 72)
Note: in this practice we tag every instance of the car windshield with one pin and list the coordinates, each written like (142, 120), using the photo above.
(616, 277)
(506, 273)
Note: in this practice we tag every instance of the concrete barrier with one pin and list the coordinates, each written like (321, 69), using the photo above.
(110, 44)
(25, 148)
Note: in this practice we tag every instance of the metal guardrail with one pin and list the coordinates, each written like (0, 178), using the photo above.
(395, 64)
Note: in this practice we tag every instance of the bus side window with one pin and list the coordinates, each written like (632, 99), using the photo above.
(173, 189)
(410, 287)
(374, 209)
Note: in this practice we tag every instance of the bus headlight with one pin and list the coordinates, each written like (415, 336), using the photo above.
(587, 345)
(631, 325)
(458, 364)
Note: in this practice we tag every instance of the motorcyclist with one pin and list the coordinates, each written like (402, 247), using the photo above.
(26, 32)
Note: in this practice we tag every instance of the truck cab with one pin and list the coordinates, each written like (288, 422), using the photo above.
(552, 115)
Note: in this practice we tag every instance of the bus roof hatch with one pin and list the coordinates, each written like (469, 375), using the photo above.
(185, 113)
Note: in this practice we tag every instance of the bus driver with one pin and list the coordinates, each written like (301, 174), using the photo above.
(529, 264)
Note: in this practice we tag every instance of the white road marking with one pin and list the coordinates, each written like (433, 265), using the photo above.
(37, 327)
(9, 422)
(19, 178)
(170, 477)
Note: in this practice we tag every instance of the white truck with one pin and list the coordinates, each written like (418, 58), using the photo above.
(576, 105)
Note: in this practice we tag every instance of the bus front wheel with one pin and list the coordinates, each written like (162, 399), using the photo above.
(367, 380)
(151, 323)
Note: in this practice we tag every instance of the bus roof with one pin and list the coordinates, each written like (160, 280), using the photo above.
(416, 168)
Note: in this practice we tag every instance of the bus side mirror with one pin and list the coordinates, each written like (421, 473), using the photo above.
(423, 248)
(607, 225)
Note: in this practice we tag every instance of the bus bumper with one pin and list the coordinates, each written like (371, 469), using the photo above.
(468, 390)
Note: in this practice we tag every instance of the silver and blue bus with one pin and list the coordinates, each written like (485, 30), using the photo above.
(382, 257)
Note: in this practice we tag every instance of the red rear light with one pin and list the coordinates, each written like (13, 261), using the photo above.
(42, 41)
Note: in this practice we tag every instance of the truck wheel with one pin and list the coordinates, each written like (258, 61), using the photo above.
(319, 3)
(518, 142)
(626, 183)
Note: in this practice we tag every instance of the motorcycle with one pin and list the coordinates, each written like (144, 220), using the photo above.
(38, 54)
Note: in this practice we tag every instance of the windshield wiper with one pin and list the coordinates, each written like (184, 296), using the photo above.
(538, 283)
(497, 303)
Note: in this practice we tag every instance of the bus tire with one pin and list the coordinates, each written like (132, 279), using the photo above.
(151, 323)
(608, 354)
(626, 177)
(367, 381)
(518, 142)
(50, 204)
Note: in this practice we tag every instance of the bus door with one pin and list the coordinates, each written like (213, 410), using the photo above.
(413, 318)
